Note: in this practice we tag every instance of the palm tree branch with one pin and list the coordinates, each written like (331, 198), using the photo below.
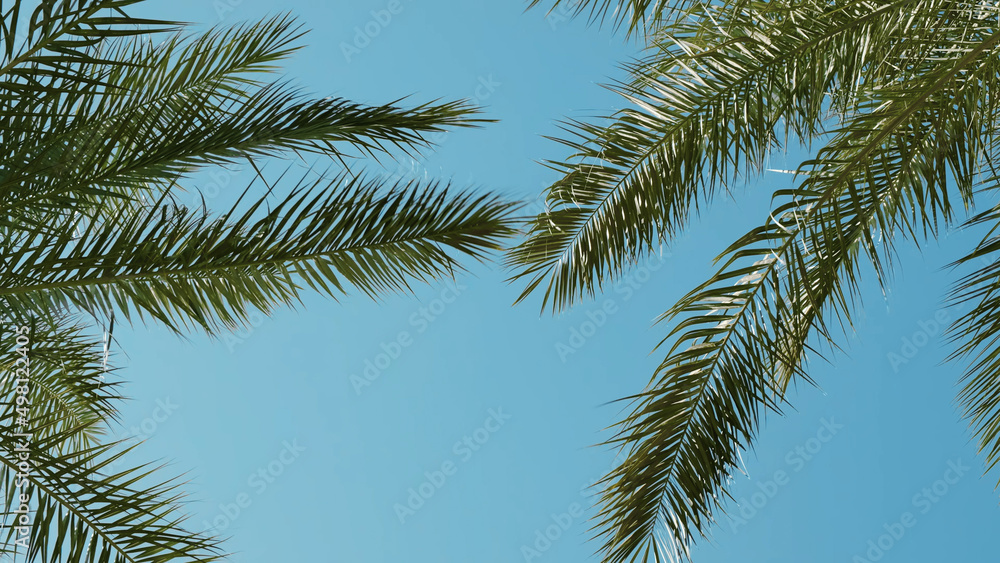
(630, 517)
(606, 215)
(351, 230)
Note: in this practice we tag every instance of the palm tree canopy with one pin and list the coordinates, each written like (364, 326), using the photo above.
(104, 118)
(898, 96)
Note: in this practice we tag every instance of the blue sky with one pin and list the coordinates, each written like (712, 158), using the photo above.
(479, 405)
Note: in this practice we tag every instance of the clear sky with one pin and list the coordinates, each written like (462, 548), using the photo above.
(472, 403)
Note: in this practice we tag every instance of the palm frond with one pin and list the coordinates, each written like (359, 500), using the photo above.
(74, 393)
(75, 508)
(147, 114)
(102, 114)
(635, 16)
(975, 333)
(740, 338)
(709, 105)
(60, 36)
(183, 266)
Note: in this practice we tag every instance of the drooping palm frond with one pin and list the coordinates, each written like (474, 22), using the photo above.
(78, 509)
(635, 16)
(975, 334)
(917, 107)
(739, 339)
(710, 104)
(73, 393)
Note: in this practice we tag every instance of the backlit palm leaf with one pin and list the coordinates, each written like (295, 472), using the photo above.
(903, 98)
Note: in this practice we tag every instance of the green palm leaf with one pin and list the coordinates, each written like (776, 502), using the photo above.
(103, 117)
(73, 391)
(710, 104)
(183, 267)
(80, 512)
(907, 99)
